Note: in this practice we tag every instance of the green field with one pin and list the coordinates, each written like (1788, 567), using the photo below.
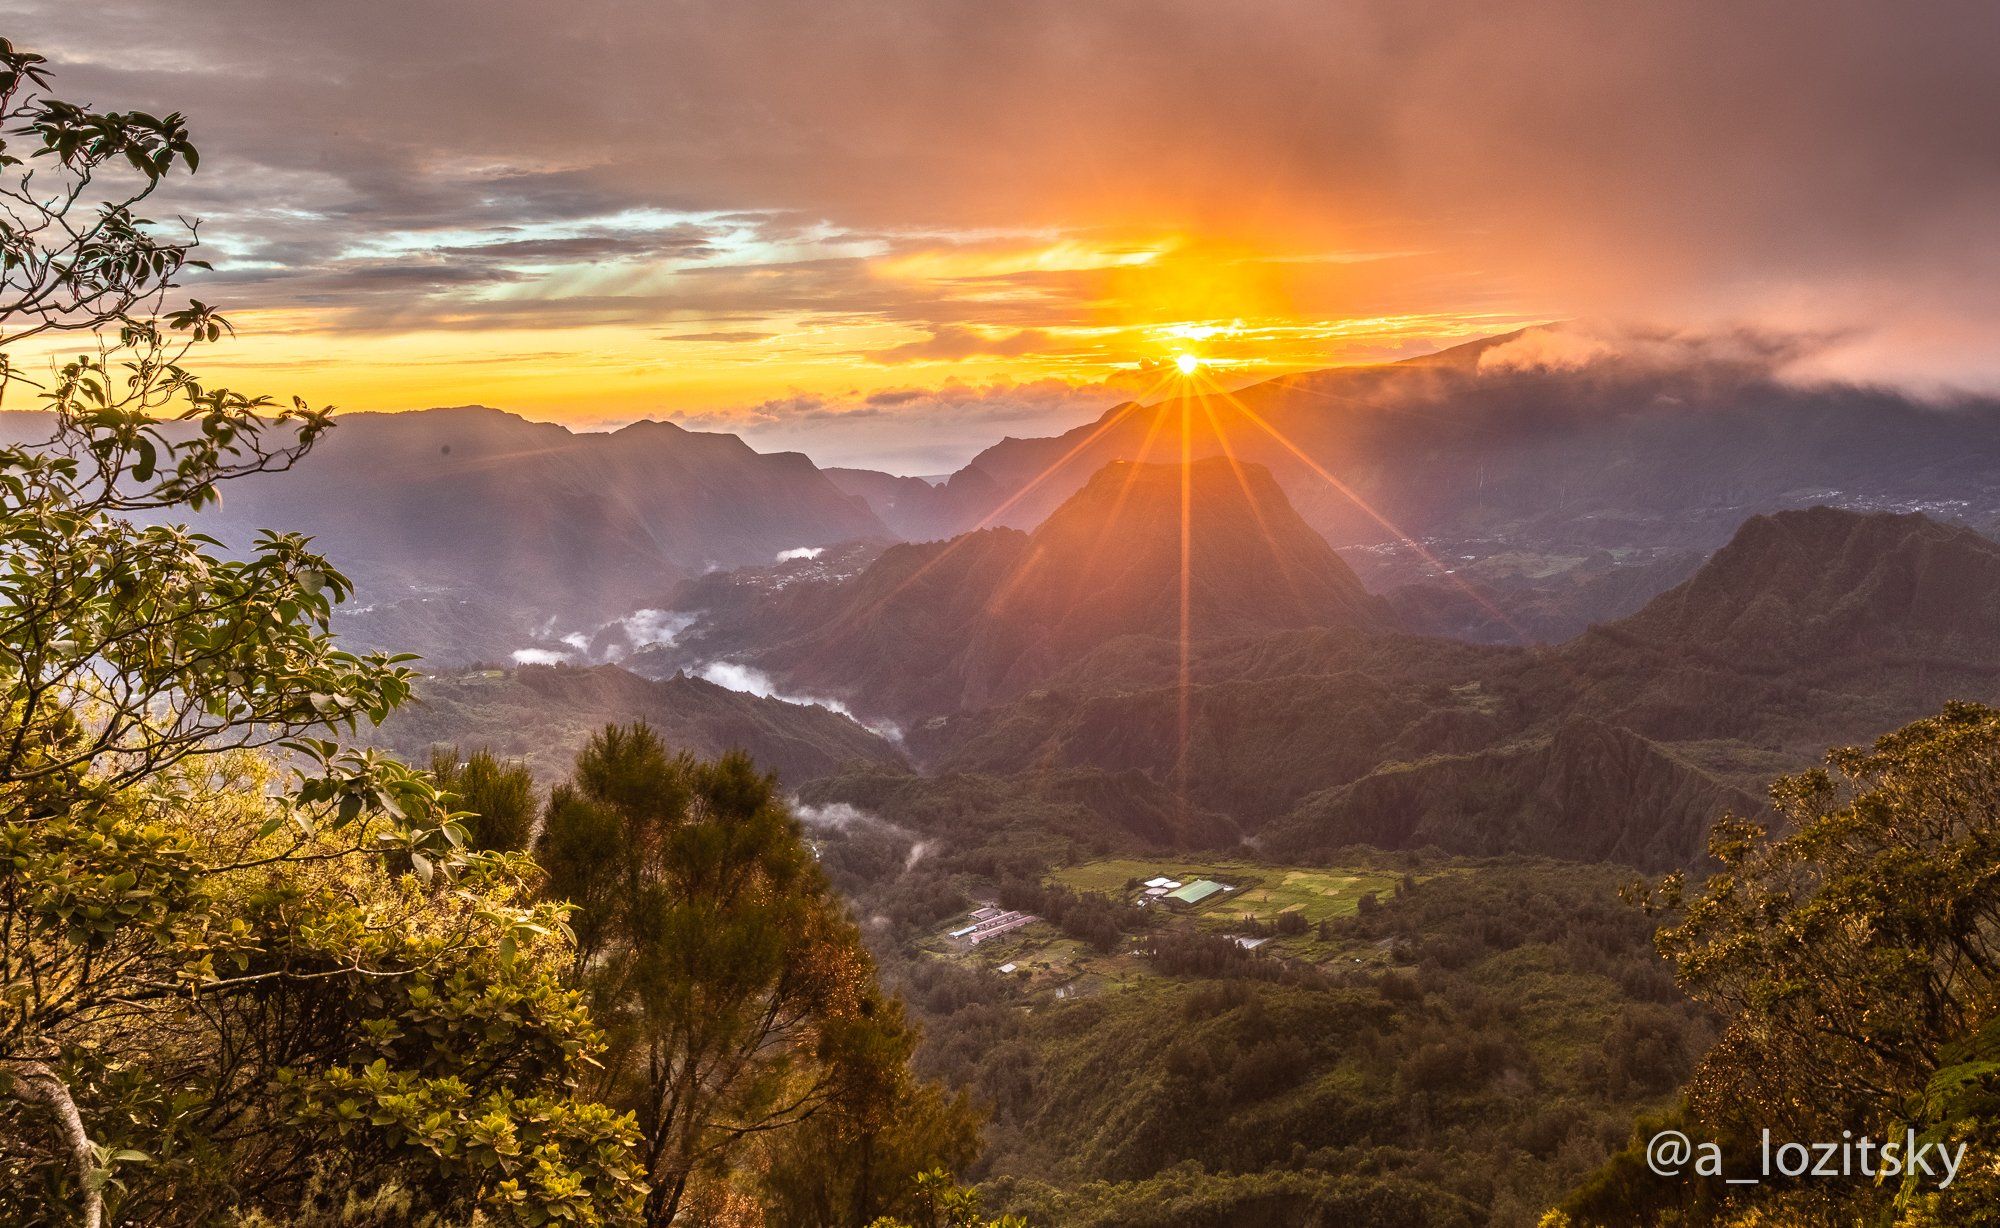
(1046, 963)
(1265, 891)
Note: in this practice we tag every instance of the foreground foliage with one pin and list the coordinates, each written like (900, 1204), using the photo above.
(1853, 952)
(277, 1022)
(747, 1034)
(228, 988)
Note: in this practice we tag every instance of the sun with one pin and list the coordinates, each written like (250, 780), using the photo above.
(1188, 363)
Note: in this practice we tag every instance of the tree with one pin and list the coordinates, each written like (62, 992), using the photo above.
(856, 1161)
(943, 1204)
(125, 646)
(1848, 953)
(498, 797)
(738, 1000)
(1851, 950)
(215, 996)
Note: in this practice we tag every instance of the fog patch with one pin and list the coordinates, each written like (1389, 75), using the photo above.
(751, 681)
(800, 552)
(844, 821)
(837, 815)
(607, 642)
(649, 626)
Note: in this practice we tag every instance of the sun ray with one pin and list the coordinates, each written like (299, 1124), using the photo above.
(1354, 497)
(1250, 499)
(1186, 672)
(1124, 491)
(875, 607)
(1012, 580)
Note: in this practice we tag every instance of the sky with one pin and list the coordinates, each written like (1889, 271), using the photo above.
(891, 233)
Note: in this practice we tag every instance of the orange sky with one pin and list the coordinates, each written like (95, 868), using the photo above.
(1024, 309)
(890, 231)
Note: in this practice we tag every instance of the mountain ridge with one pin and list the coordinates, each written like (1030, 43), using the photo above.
(989, 614)
(1279, 718)
(543, 714)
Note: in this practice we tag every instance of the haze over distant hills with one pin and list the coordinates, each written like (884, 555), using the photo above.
(471, 532)
(535, 513)
(1482, 449)
(1557, 495)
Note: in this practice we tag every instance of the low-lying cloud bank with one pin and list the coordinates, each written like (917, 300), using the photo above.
(739, 677)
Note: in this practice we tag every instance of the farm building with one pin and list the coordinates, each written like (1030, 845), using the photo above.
(1196, 893)
(989, 923)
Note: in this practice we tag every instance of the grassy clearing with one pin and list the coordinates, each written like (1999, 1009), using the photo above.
(1046, 963)
(1318, 892)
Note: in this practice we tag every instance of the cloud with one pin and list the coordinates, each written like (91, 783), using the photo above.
(950, 341)
(800, 552)
(1576, 345)
(951, 183)
(649, 626)
(1786, 138)
(738, 677)
(844, 817)
(539, 656)
(837, 815)
(721, 335)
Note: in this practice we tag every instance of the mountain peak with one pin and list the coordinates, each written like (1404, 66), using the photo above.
(1825, 580)
(991, 614)
(1115, 557)
(1110, 559)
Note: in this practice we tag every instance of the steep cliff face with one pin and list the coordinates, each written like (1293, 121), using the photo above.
(1590, 792)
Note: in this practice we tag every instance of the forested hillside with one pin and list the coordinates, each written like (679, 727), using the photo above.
(541, 715)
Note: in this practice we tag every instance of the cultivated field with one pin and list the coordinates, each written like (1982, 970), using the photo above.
(1262, 891)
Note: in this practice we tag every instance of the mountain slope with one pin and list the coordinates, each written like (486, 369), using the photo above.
(1804, 585)
(1589, 792)
(914, 509)
(475, 502)
(544, 714)
(957, 625)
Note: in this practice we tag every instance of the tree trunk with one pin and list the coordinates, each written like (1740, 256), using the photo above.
(35, 1083)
